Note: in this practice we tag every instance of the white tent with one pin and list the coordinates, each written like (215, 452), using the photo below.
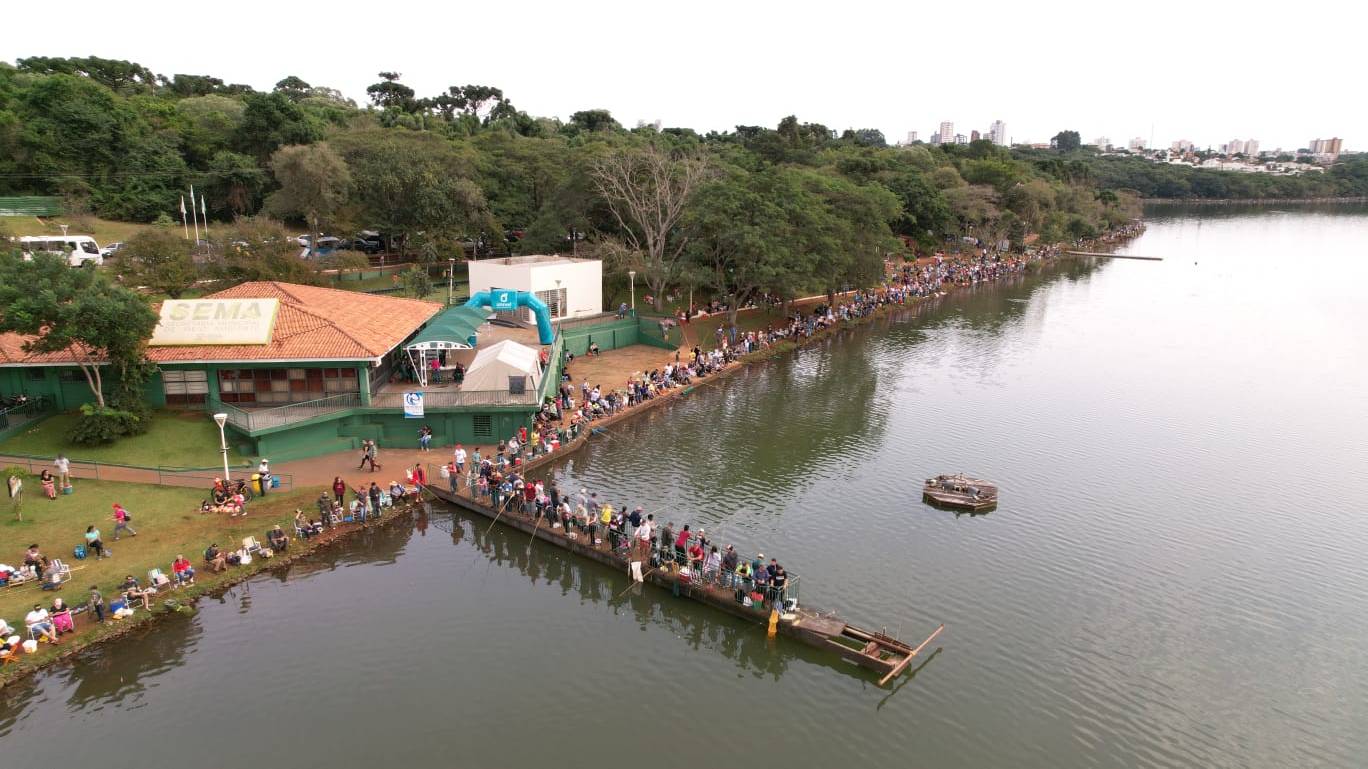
(497, 366)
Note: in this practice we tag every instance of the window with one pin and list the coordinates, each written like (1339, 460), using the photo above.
(36, 374)
(185, 388)
(484, 426)
(517, 385)
(278, 386)
(71, 375)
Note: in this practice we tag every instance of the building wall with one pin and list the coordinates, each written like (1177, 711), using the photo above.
(582, 281)
(391, 430)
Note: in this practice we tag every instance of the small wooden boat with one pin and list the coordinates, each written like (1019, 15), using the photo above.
(960, 492)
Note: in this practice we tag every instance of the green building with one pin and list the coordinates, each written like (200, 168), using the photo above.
(298, 370)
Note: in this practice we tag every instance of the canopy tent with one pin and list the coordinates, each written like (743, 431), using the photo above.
(501, 365)
(455, 328)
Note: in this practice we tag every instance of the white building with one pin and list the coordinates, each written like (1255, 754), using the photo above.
(911, 137)
(1137, 144)
(1182, 145)
(947, 133)
(961, 139)
(1103, 143)
(997, 132)
(571, 288)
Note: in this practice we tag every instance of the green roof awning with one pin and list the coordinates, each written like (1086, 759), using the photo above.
(452, 328)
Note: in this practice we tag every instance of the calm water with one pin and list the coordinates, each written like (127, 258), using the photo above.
(1174, 576)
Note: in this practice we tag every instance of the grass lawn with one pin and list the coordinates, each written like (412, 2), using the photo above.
(168, 523)
(176, 438)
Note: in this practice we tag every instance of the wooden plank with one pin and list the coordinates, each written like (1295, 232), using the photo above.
(901, 666)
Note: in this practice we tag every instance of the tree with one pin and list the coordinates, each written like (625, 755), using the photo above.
(389, 93)
(314, 183)
(1066, 141)
(259, 249)
(405, 182)
(646, 189)
(233, 184)
(594, 120)
(417, 282)
(294, 88)
(79, 312)
(270, 121)
(158, 259)
(745, 235)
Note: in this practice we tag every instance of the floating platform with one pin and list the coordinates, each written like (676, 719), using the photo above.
(960, 492)
(879, 652)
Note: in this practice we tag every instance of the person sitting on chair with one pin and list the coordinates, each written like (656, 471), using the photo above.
(133, 592)
(183, 571)
(40, 623)
(277, 538)
(215, 558)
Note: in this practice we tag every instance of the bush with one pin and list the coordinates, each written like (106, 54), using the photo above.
(98, 426)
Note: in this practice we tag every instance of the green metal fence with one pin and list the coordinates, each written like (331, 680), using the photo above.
(30, 205)
(183, 477)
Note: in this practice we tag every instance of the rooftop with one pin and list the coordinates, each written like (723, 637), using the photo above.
(314, 323)
(539, 260)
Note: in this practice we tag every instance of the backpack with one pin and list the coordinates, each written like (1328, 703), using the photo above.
(79, 552)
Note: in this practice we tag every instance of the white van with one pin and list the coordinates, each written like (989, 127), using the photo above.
(79, 250)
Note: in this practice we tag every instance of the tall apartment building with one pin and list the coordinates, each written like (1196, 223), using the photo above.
(1182, 145)
(1137, 144)
(947, 132)
(1325, 146)
(1102, 143)
(911, 137)
(997, 132)
(961, 139)
(974, 135)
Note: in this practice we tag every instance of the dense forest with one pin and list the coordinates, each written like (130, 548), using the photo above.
(794, 207)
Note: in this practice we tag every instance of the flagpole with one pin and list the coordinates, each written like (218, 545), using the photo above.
(185, 224)
(192, 214)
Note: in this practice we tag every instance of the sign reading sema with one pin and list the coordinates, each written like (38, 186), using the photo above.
(215, 321)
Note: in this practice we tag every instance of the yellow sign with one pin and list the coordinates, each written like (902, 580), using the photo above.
(215, 321)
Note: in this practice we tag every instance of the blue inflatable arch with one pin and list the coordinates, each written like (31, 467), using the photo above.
(504, 299)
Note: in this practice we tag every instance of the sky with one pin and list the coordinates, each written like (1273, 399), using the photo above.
(1170, 70)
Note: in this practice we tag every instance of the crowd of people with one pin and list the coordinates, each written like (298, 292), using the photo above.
(631, 533)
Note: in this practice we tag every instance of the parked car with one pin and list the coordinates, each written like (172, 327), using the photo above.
(111, 249)
(367, 246)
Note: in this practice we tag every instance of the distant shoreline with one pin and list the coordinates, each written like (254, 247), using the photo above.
(1249, 201)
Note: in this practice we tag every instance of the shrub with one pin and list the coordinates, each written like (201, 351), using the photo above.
(104, 425)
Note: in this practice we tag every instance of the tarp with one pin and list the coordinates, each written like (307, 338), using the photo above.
(493, 366)
(452, 328)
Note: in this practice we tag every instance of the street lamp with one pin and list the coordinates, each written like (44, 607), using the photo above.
(560, 306)
(451, 271)
(631, 275)
(221, 420)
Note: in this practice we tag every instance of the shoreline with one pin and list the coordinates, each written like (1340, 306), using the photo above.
(190, 596)
(145, 619)
(1252, 201)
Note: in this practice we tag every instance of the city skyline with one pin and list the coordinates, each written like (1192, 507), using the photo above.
(609, 56)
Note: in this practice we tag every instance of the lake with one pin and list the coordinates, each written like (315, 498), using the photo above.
(1174, 576)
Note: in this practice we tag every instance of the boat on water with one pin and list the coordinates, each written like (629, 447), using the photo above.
(960, 492)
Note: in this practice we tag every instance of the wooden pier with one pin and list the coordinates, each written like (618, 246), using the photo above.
(1116, 256)
(879, 652)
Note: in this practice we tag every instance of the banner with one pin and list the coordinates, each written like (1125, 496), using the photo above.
(503, 300)
(413, 405)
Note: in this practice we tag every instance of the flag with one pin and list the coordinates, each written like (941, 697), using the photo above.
(182, 208)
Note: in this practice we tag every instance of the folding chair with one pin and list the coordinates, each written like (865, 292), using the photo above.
(62, 573)
(157, 580)
(251, 545)
(63, 622)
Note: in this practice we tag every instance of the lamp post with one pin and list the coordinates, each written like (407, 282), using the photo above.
(631, 275)
(222, 419)
(451, 271)
(560, 308)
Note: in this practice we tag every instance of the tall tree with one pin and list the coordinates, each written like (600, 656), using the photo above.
(647, 188)
(1066, 141)
(314, 183)
(76, 311)
(159, 259)
(390, 93)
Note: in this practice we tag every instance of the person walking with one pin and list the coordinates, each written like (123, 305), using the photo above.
(95, 603)
(121, 519)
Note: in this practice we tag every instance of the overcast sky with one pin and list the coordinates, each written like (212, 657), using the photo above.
(1170, 69)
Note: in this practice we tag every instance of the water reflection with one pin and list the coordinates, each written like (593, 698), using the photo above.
(701, 627)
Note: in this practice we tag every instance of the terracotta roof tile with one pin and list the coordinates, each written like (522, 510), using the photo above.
(314, 323)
